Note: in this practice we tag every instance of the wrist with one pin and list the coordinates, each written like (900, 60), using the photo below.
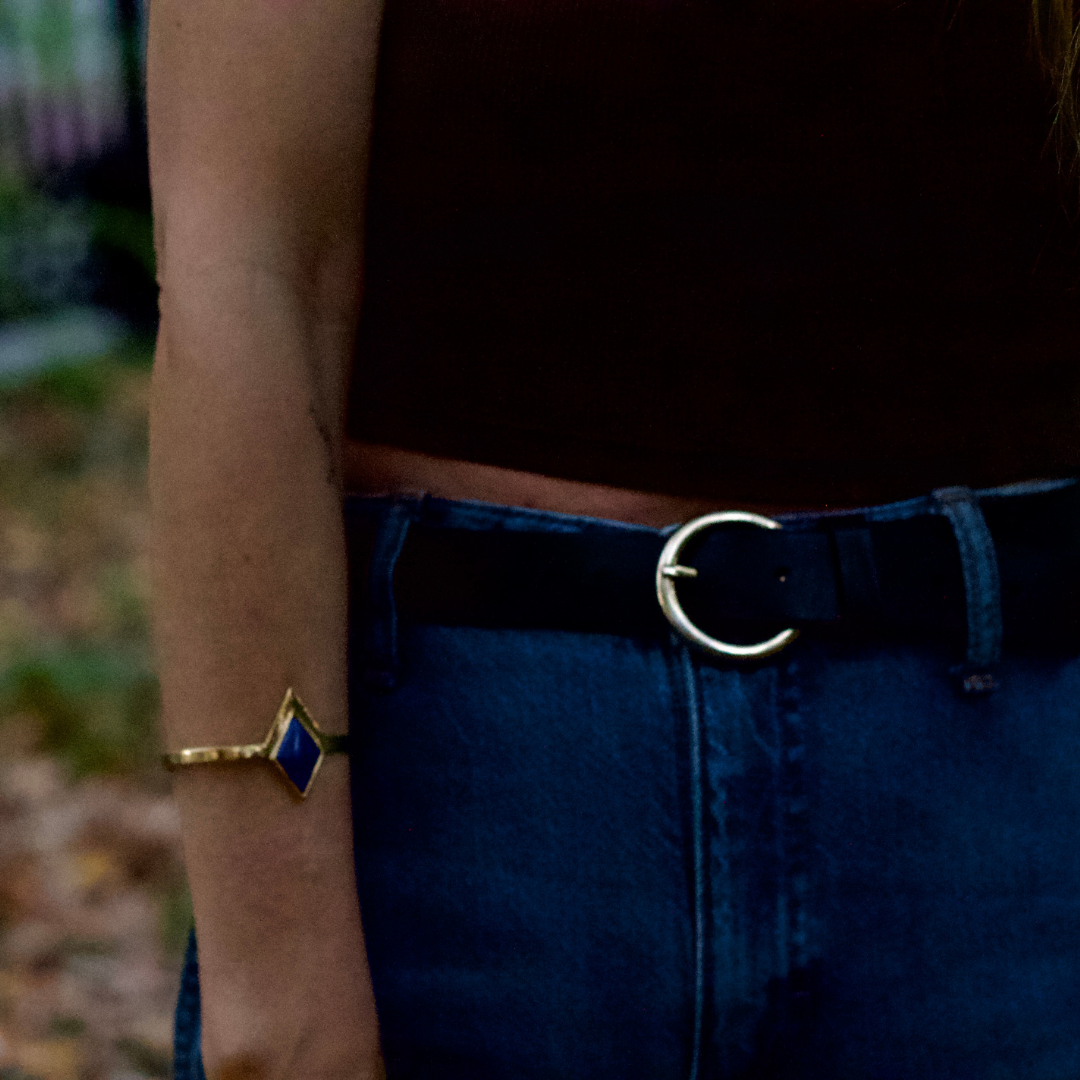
(316, 1024)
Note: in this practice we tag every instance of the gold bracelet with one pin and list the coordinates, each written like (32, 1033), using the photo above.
(294, 744)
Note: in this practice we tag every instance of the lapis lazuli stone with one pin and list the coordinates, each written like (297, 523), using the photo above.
(298, 754)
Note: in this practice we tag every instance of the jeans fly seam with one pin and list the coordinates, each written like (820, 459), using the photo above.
(783, 958)
(794, 811)
(726, 961)
(693, 713)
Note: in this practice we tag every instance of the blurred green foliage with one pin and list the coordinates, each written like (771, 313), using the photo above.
(177, 919)
(72, 471)
(82, 388)
(66, 1026)
(146, 1059)
(55, 252)
(127, 230)
(48, 27)
(44, 250)
(96, 708)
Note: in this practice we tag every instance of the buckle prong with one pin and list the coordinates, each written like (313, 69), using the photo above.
(679, 571)
(669, 569)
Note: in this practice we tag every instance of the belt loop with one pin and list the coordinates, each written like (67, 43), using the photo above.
(380, 650)
(982, 586)
(858, 572)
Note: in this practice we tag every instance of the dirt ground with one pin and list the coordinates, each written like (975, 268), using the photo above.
(93, 907)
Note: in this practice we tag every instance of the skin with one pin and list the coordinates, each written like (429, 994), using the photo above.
(259, 117)
(382, 470)
(259, 128)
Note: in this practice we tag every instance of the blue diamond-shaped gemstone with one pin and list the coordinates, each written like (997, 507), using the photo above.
(298, 754)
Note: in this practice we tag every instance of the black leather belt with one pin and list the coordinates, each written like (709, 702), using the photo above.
(832, 573)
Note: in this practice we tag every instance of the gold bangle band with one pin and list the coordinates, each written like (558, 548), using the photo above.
(294, 744)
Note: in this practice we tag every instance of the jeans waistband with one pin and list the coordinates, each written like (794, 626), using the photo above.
(973, 568)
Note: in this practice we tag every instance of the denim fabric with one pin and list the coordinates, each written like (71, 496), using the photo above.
(187, 1027)
(590, 856)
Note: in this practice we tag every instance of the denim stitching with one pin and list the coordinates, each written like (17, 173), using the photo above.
(1024, 487)
(729, 975)
(692, 707)
(794, 809)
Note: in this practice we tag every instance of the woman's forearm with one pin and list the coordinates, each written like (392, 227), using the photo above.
(259, 115)
(250, 586)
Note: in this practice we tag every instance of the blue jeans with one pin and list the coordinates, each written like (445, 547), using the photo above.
(590, 856)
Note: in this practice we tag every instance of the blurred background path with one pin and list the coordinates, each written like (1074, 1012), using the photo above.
(93, 906)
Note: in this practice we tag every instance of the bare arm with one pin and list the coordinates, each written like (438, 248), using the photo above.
(259, 115)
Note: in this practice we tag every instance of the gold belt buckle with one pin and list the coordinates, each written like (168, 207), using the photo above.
(669, 570)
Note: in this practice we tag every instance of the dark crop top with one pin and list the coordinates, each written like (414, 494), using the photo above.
(774, 250)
